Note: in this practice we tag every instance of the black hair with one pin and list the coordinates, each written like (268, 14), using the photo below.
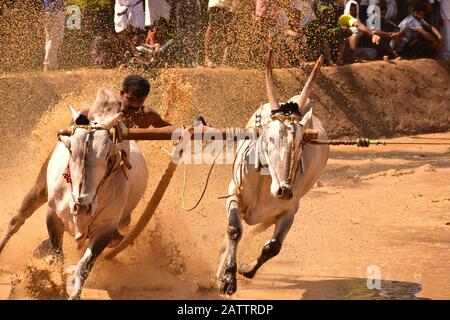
(419, 6)
(137, 85)
(382, 5)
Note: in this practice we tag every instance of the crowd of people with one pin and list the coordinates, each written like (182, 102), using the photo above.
(210, 33)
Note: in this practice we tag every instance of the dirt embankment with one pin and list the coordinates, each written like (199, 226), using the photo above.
(372, 99)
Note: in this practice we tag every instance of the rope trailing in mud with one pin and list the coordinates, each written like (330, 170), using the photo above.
(364, 142)
(206, 182)
(148, 212)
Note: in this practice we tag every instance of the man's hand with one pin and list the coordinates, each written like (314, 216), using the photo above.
(376, 39)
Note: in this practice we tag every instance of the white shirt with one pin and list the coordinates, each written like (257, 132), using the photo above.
(128, 12)
(156, 9)
(445, 9)
(221, 3)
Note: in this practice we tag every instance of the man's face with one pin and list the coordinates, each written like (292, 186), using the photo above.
(419, 15)
(353, 11)
(131, 101)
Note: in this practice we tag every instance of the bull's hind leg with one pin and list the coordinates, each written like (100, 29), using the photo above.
(272, 247)
(228, 282)
(34, 199)
(84, 266)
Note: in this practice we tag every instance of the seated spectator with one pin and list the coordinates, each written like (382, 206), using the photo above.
(220, 34)
(388, 31)
(350, 22)
(420, 40)
(105, 50)
(323, 34)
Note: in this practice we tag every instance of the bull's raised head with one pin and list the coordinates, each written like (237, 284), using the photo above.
(92, 157)
(283, 134)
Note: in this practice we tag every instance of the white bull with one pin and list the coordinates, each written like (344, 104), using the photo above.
(271, 199)
(90, 189)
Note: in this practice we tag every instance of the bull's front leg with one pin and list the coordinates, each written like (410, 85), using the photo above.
(228, 282)
(84, 266)
(272, 247)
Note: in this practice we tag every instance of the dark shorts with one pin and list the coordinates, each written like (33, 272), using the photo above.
(219, 16)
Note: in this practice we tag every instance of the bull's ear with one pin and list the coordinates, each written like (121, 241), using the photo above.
(65, 140)
(306, 118)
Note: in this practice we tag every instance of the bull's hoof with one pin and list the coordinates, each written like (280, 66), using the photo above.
(247, 270)
(228, 283)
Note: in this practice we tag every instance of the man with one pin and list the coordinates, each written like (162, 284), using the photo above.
(54, 23)
(135, 90)
(220, 34)
(323, 34)
(420, 39)
(388, 31)
(267, 16)
(349, 21)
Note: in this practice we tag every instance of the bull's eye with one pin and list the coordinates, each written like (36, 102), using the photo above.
(272, 140)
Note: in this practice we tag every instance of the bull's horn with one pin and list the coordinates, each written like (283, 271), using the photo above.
(112, 121)
(270, 85)
(302, 101)
(74, 113)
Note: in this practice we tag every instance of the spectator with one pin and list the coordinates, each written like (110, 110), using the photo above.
(157, 15)
(420, 40)
(445, 15)
(155, 10)
(324, 35)
(188, 15)
(266, 18)
(349, 21)
(220, 34)
(294, 18)
(104, 50)
(129, 25)
(54, 24)
(388, 31)
(129, 13)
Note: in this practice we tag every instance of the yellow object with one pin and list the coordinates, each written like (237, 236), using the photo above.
(347, 21)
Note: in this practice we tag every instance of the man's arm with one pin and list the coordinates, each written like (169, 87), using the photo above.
(362, 27)
(439, 37)
(427, 36)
